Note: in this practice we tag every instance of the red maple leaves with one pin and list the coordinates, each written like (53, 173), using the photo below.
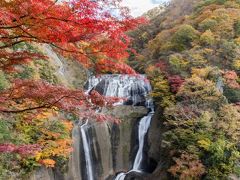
(91, 32)
(30, 95)
(23, 150)
(86, 30)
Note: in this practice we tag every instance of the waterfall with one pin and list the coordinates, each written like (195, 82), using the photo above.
(143, 127)
(142, 131)
(87, 151)
(134, 90)
(220, 84)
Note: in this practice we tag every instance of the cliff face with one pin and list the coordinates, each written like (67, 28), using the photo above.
(68, 72)
(112, 146)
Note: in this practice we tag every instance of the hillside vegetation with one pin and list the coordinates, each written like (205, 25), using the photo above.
(191, 54)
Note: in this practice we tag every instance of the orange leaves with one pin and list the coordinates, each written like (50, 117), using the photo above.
(68, 125)
(188, 166)
(230, 75)
(48, 162)
(54, 139)
(231, 78)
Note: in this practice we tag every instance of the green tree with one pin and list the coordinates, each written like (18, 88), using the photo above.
(184, 37)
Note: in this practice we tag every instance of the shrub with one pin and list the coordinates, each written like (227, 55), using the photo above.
(232, 94)
(184, 37)
(27, 72)
(187, 166)
(207, 38)
(178, 62)
(237, 28)
(208, 24)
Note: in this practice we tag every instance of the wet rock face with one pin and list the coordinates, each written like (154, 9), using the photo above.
(111, 147)
(111, 144)
(47, 174)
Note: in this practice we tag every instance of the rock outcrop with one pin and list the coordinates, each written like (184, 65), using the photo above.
(111, 144)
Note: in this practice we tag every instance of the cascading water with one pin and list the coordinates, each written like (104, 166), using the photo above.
(143, 127)
(134, 90)
(142, 130)
(86, 148)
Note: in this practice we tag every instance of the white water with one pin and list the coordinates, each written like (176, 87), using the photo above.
(142, 131)
(121, 176)
(220, 84)
(87, 152)
(133, 88)
(143, 127)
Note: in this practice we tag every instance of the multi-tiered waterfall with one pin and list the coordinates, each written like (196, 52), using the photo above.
(134, 90)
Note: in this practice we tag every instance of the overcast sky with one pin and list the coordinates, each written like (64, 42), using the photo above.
(138, 7)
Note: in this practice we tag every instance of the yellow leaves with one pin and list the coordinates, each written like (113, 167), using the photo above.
(207, 38)
(206, 73)
(178, 61)
(236, 64)
(204, 143)
(38, 156)
(48, 162)
(208, 50)
(237, 41)
(202, 73)
(51, 133)
(46, 114)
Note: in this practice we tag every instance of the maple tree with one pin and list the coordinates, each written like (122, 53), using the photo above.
(85, 30)
(90, 32)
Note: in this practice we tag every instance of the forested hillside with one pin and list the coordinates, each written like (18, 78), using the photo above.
(191, 54)
(50, 126)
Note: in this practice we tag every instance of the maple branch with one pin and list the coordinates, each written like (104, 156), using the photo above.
(10, 45)
(24, 110)
(44, 106)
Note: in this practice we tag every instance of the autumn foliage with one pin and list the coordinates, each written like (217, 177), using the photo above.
(85, 30)
(191, 56)
(93, 33)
